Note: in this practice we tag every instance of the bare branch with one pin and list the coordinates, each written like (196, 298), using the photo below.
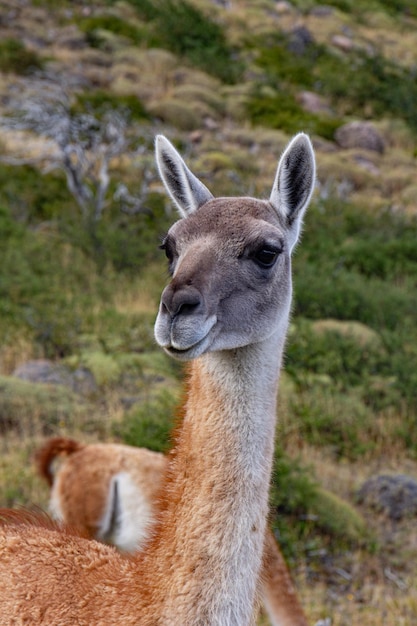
(85, 144)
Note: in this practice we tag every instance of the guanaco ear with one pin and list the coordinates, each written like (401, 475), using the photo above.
(294, 184)
(186, 190)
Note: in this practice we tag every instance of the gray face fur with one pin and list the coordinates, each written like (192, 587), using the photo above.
(229, 257)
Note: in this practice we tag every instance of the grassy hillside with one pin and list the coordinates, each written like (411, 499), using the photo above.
(229, 85)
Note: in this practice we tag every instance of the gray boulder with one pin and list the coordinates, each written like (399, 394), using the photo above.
(45, 371)
(393, 495)
(360, 135)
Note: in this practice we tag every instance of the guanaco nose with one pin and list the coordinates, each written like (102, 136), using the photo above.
(184, 301)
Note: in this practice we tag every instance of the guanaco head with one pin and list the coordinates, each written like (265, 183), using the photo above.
(229, 258)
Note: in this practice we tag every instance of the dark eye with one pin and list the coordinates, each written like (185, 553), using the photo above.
(266, 257)
(167, 251)
(168, 248)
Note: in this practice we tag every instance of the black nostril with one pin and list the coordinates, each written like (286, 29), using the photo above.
(183, 301)
(185, 308)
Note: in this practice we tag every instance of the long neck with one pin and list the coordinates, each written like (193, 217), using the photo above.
(208, 550)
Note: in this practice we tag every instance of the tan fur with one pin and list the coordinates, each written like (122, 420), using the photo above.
(226, 310)
(81, 483)
(278, 591)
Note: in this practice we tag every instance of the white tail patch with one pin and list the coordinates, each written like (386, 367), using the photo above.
(128, 514)
(55, 504)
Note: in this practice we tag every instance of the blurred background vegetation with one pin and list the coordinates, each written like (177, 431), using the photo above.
(228, 82)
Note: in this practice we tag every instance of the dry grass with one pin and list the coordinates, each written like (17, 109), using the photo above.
(374, 604)
(141, 294)
(358, 587)
(19, 350)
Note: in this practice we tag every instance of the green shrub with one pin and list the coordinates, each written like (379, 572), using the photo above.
(31, 196)
(374, 83)
(100, 102)
(19, 484)
(359, 8)
(339, 421)
(104, 367)
(150, 423)
(343, 357)
(304, 514)
(122, 240)
(272, 101)
(274, 54)
(14, 57)
(353, 82)
(338, 518)
(307, 5)
(48, 287)
(346, 295)
(385, 258)
(404, 370)
(184, 30)
(125, 242)
(282, 111)
(292, 488)
(34, 409)
(354, 266)
(396, 6)
(92, 26)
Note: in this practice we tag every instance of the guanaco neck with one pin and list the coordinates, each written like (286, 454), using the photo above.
(212, 525)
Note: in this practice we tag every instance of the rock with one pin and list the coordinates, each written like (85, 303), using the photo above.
(196, 136)
(342, 42)
(283, 7)
(360, 135)
(322, 10)
(83, 382)
(313, 103)
(392, 495)
(367, 164)
(299, 40)
(45, 371)
(364, 335)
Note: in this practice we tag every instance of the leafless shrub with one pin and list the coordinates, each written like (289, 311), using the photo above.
(83, 145)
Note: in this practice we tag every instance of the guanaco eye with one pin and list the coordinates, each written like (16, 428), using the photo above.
(266, 257)
(168, 248)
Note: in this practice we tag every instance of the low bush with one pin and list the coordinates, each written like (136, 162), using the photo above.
(282, 111)
(347, 295)
(359, 8)
(121, 240)
(19, 483)
(15, 57)
(125, 242)
(304, 514)
(376, 84)
(149, 424)
(336, 420)
(186, 31)
(92, 26)
(30, 196)
(99, 102)
(341, 356)
(352, 266)
(33, 409)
